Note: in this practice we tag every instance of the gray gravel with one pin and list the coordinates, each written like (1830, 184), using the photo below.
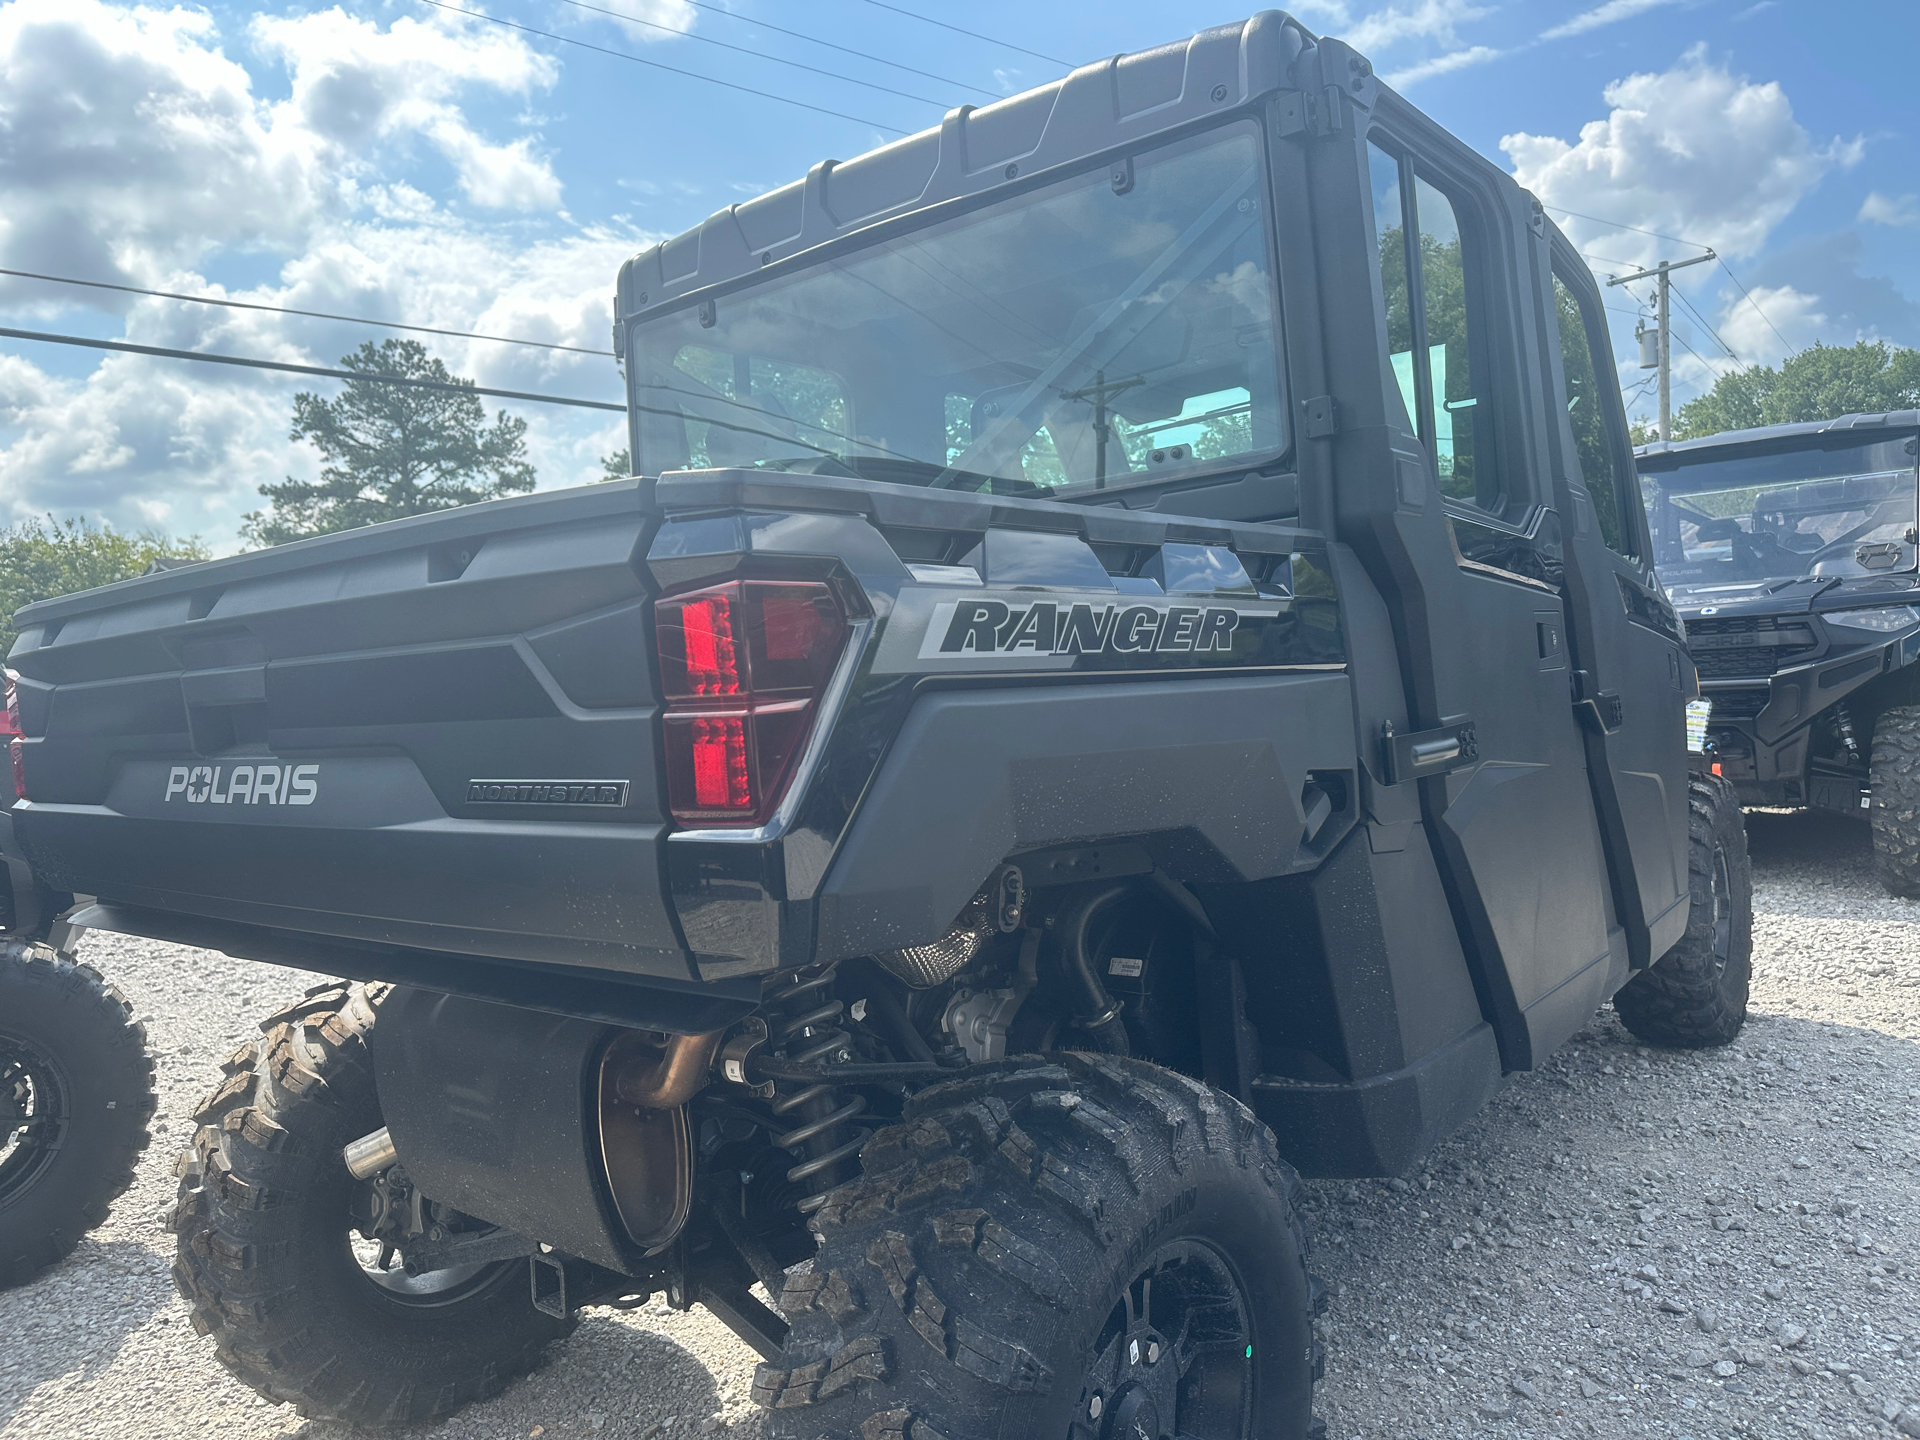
(1626, 1243)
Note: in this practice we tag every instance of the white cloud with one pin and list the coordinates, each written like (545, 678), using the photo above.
(1694, 151)
(653, 19)
(1442, 65)
(355, 84)
(132, 147)
(131, 144)
(500, 177)
(199, 439)
(1878, 209)
(1754, 328)
(1423, 20)
(1610, 13)
(128, 140)
(1431, 21)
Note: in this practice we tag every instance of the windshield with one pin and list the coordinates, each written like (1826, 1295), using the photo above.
(1757, 522)
(1113, 327)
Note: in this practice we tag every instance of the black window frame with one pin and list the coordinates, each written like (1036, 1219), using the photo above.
(1565, 267)
(1490, 448)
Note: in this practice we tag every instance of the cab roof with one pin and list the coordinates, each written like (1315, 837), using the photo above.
(1118, 101)
(1866, 427)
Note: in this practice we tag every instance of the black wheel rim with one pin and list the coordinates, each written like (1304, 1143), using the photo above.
(1175, 1357)
(35, 1112)
(1722, 911)
(382, 1265)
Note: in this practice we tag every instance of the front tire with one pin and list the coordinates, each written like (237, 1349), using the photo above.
(1071, 1248)
(268, 1261)
(1695, 996)
(76, 1093)
(1894, 771)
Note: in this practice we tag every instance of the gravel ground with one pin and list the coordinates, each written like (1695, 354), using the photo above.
(1626, 1243)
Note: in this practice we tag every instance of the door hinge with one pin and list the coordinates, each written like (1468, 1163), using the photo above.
(1320, 417)
(1308, 112)
(1600, 710)
(1420, 753)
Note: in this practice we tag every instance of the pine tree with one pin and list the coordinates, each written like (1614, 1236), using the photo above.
(392, 450)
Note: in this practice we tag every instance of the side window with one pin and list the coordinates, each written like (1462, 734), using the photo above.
(1390, 244)
(1432, 305)
(1587, 359)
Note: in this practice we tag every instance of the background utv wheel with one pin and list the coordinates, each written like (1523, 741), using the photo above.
(1895, 772)
(1075, 1248)
(300, 1307)
(76, 1093)
(1695, 995)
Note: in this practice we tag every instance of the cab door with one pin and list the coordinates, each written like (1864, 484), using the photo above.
(1632, 675)
(1449, 507)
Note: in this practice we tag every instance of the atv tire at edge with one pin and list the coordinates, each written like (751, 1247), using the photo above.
(68, 1012)
(1894, 771)
(1693, 997)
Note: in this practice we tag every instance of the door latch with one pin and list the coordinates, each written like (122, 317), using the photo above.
(1420, 753)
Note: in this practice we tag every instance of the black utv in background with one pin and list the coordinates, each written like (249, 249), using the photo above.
(1131, 670)
(76, 1080)
(1789, 552)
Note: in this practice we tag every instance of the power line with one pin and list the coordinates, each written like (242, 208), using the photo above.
(1756, 305)
(1694, 311)
(1682, 240)
(844, 50)
(975, 34)
(325, 372)
(657, 65)
(310, 314)
(757, 54)
(1621, 225)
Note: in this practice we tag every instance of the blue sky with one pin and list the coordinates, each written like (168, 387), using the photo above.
(408, 162)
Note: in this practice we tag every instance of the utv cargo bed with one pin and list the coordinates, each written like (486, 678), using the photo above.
(379, 752)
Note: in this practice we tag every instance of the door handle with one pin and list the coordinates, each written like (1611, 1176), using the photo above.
(1420, 753)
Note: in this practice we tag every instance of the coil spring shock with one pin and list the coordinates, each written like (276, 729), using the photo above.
(810, 1033)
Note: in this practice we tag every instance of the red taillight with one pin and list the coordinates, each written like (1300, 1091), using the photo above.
(16, 751)
(710, 661)
(744, 665)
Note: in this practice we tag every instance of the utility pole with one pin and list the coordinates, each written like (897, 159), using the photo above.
(1663, 272)
(1099, 393)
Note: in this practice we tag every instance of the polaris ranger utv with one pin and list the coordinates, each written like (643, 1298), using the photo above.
(1789, 551)
(1116, 683)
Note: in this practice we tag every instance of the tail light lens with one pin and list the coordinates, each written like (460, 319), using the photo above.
(744, 666)
(16, 751)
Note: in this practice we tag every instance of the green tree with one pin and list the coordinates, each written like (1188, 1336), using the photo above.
(1819, 383)
(43, 558)
(392, 450)
(618, 465)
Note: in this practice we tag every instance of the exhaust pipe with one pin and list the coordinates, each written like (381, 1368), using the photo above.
(370, 1154)
(668, 1081)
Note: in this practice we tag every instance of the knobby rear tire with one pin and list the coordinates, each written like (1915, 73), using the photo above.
(264, 1255)
(1894, 771)
(1695, 996)
(967, 1285)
